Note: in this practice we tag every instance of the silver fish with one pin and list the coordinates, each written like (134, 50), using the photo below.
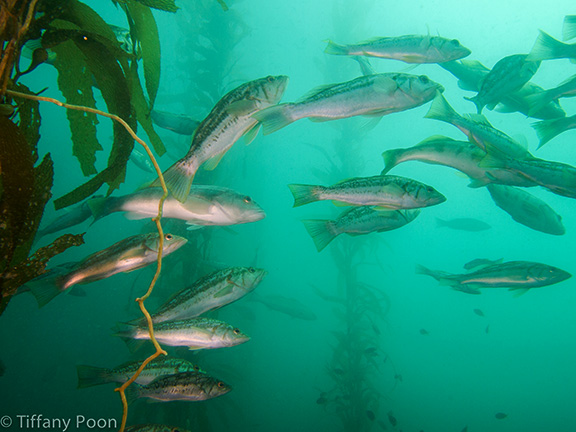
(373, 95)
(460, 155)
(408, 48)
(478, 130)
(357, 221)
(285, 305)
(194, 333)
(508, 75)
(74, 216)
(210, 292)
(127, 255)
(185, 386)
(89, 376)
(141, 160)
(481, 262)
(388, 191)
(515, 275)
(527, 209)
(470, 74)
(179, 123)
(205, 206)
(230, 119)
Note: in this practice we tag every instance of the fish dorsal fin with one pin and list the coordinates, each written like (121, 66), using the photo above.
(478, 118)
(434, 139)
(213, 162)
(521, 139)
(474, 64)
(314, 92)
(372, 40)
(349, 179)
(465, 86)
(242, 107)
(480, 263)
(251, 133)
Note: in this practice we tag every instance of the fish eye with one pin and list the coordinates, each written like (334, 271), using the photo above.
(455, 42)
(247, 199)
(221, 384)
(168, 237)
(251, 269)
(236, 331)
(175, 430)
(196, 368)
(424, 79)
(270, 78)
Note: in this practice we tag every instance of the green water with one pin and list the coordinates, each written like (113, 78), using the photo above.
(397, 345)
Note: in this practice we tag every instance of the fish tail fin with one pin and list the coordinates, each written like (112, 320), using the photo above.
(127, 332)
(274, 118)
(440, 276)
(303, 194)
(476, 101)
(321, 231)
(335, 49)
(538, 101)
(390, 160)
(569, 27)
(89, 376)
(47, 286)
(101, 207)
(133, 392)
(548, 129)
(440, 223)
(546, 47)
(178, 179)
(441, 110)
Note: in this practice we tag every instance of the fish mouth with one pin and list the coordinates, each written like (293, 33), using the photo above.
(281, 88)
(439, 89)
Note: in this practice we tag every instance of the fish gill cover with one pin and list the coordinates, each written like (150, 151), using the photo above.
(350, 338)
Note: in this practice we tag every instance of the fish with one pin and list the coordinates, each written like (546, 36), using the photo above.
(481, 262)
(393, 192)
(365, 66)
(141, 160)
(549, 129)
(184, 386)
(179, 123)
(548, 48)
(373, 96)
(557, 177)
(409, 49)
(357, 221)
(569, 27)
(478, 130)
(74, 216)
(230, 119)
(89, 376)
(508, 75)
(527, 209)
(463, 224)
(470, 74)
(478, 312)
(129, 254)
(517, 276)
(500, 415)
(392, 419)
(194, 333)
(286, 305)
(424, 332)
(205, 206)
(210, 292)
(149, 427)
(487, 329)
(370, 414)
(460, 155)
(565, 89)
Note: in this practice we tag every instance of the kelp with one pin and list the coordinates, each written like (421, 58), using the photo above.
(24, 192)
(164, 5)
(89, 55)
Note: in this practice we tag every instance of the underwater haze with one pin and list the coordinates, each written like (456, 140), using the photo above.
(351, 337)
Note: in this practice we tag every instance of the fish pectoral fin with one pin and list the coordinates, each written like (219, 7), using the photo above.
(213, 162)
(383, 209)
(224, 291)
(251, 134)
(384, 84)
(340, 203)
(518, 291)
(194, 347)
(466, 289)
(231, 282)
(137, 216)
(192, 226)
(199, 205)
(242, 107)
